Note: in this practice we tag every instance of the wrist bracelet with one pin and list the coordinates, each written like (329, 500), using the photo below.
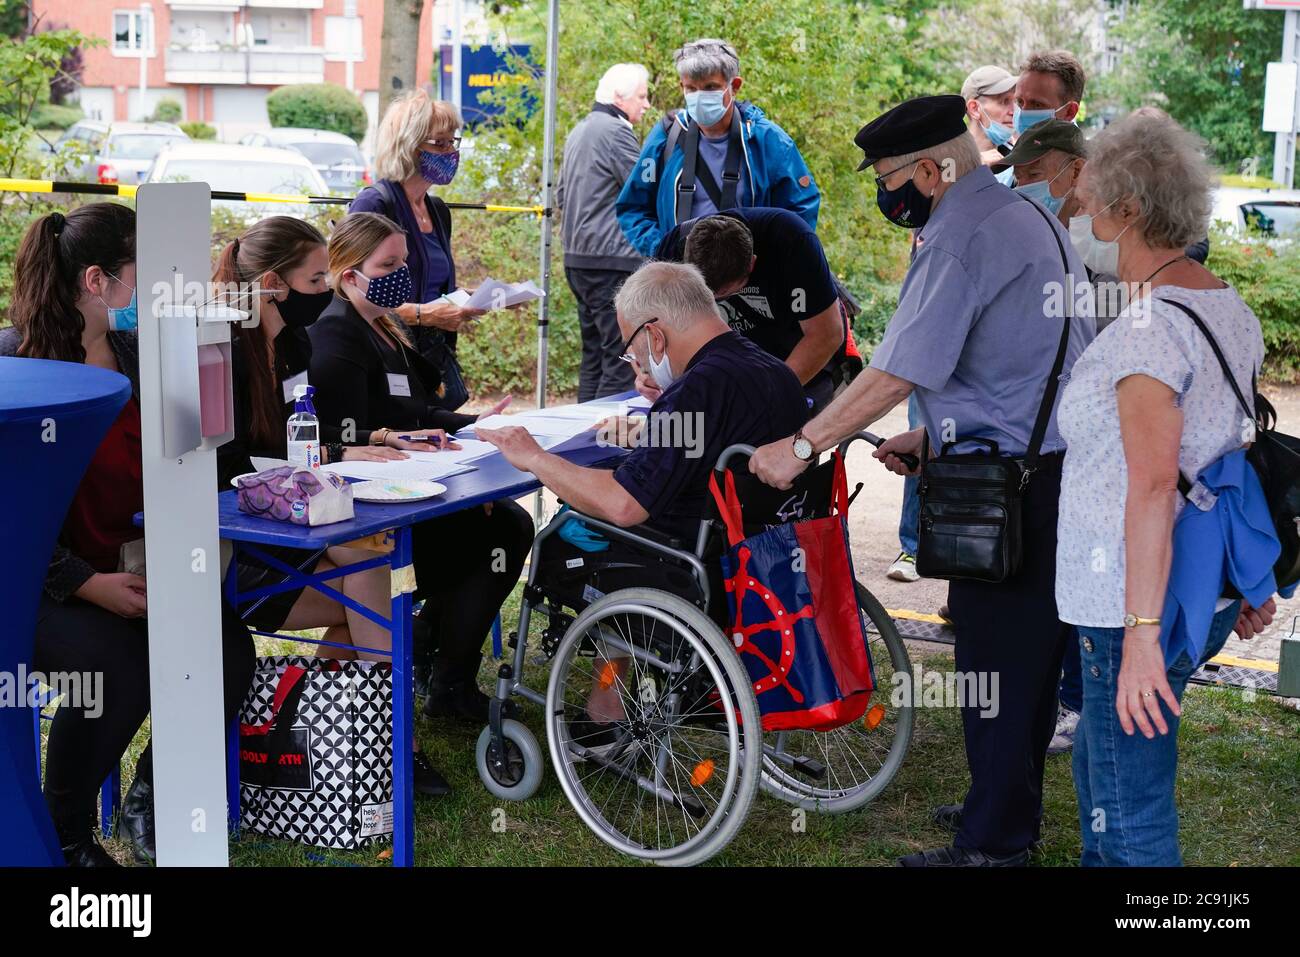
(334, 452)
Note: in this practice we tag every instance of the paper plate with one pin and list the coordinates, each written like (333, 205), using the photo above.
(396, 490)
(235, 481)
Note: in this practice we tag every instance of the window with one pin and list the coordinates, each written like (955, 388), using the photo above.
(132, 33)
(343, 38)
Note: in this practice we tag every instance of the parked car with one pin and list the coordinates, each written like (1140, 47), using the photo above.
(1273, 212)
(119, 152)
(336, 157)
(245, 169)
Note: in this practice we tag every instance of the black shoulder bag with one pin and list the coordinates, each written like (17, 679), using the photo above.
(970, 524)
(1276, 460)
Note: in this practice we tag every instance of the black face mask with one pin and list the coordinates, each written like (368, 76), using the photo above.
(301, 309)
(905, 206)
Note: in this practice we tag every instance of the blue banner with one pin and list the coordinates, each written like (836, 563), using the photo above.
(483, 69)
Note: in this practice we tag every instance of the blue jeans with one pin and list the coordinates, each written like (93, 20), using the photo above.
(911, 516)
(1125, 783)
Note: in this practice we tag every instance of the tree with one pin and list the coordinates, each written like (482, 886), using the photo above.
(1005, 32)
(1204, 62)
(399, 49)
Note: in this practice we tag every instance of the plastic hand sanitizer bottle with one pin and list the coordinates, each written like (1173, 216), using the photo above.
(304, 430)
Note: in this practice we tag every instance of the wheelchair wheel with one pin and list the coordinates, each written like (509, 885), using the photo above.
(841, 770)
(673, 778)
(516, 774)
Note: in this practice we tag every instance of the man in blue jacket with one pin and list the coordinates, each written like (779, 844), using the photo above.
(719, 153)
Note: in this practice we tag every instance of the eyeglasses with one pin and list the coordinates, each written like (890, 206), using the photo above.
(444, 146)
(627, 356)
(880, 180)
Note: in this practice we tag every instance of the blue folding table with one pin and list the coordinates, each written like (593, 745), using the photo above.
(493, 478)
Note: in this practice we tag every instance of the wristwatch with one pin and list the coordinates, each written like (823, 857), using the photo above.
(1132, 621)
(803, 449)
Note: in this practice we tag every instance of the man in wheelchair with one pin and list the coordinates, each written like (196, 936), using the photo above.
(712, 389)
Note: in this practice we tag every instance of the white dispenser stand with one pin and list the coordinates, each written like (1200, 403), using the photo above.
(173, 248)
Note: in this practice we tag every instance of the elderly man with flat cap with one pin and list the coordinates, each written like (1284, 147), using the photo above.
(976, 337)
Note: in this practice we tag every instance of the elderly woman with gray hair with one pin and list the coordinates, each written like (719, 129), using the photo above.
(1147, 402)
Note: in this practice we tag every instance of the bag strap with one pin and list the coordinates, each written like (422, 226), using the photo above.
(1054, 377)
(1184, 485)
(728, 506)
(686, 181)
(1218, 354)
(724, 198)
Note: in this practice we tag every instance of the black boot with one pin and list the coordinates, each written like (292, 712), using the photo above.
(79, 845)
(456, 695)
(426, 778)
(135, 822)
(422, 654)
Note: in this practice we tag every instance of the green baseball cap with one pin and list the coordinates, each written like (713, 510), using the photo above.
(1048, 135)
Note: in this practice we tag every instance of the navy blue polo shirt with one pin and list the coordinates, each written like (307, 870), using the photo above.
(730, 392)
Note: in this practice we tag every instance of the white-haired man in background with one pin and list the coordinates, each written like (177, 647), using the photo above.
(598, 155)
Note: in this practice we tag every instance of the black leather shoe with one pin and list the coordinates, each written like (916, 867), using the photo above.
(427, 780)
(135, 822)
(87, 852)
(962, 857)
(462, 702)
(948, 817)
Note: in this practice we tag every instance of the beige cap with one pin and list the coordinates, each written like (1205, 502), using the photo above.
(987, 81)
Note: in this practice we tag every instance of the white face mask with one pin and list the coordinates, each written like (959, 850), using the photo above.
(1101, 256)
(662, 370)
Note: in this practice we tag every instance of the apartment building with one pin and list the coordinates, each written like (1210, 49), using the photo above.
(220, 58)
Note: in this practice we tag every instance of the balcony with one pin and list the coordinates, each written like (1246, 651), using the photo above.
(220, 5)
(261, 66)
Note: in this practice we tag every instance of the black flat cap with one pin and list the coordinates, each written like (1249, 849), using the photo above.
(914, 125)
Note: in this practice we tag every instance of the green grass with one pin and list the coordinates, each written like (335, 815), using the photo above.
(1238, 795)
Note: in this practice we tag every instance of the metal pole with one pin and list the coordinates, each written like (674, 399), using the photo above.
(1285, 144)
(548, 176)
(456, 40)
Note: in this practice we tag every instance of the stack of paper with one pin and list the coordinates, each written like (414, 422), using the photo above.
(493, 294)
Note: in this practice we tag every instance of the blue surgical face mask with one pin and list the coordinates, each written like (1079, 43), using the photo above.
(1042, 192)
(390, 291)
(999, 134)
(1024, 119)
(122, 318)
(706, 107)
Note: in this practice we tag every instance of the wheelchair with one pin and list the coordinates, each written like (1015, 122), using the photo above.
(672, 777)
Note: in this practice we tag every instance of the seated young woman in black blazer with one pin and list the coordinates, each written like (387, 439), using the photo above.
(74, 300)
(372, 386)
(286, 260)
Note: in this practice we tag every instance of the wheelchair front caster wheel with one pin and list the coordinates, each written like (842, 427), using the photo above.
(516, 774)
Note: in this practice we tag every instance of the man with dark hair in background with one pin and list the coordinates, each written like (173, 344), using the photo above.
(770, 278)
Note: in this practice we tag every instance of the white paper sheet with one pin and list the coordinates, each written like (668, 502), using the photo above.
(398, 469)
(469, 451)
(494, 294)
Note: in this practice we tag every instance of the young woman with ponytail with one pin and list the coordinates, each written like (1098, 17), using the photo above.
(372, 387)
(74, 300)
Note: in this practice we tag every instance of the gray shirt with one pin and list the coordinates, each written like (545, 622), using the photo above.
(980, 314)
(713, 153)
(599, 155)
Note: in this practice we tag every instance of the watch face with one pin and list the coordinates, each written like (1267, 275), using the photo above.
(802, 449)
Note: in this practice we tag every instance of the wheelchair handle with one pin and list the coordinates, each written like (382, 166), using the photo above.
(911, 461)
(729, 452)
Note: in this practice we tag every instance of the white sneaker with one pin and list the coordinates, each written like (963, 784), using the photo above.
(1066, 723)
(903, 569)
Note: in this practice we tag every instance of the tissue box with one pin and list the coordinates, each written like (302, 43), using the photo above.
(295, 494)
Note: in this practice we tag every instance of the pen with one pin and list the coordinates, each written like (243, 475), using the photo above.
(433, 439)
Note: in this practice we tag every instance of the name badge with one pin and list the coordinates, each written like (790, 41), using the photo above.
(292, 383)
(398, 384)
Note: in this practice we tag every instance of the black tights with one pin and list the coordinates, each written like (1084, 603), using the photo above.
(466, 565)
(77, 636)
